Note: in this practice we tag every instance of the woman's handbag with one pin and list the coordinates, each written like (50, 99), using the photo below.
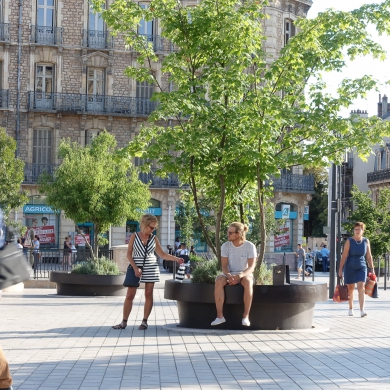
(131, 280)
(369, 287)
(341, 293)
(180, 273)
(13, 266)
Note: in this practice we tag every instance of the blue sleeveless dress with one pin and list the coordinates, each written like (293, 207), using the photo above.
(355, 268)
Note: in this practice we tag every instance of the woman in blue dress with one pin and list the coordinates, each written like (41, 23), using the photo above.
(355, 254)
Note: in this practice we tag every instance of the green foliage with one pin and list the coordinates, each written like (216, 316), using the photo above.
(11, 175)
(263, 274)
(238, 118)
(102, 266)
(318, 206)
(96, 183)
(376, 216)
(205, 272)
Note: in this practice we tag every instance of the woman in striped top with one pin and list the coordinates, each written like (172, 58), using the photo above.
(150, 274)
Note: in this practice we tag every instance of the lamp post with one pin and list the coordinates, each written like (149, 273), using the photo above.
(332, 246)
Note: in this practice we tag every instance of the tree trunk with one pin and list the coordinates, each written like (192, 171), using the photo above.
(263, 232)
(218, 221)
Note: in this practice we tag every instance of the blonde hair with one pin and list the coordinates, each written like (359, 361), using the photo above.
(146, 220)
(360, 224)
(240, 228)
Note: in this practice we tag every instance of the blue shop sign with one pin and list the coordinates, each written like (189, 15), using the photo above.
(38, 209)
(157, 211)
(293, 215)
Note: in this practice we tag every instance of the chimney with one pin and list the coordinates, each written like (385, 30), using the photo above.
(384, 105)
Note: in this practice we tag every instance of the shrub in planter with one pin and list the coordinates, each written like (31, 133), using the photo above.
(263, 275)
(102, 266)
(205, 272)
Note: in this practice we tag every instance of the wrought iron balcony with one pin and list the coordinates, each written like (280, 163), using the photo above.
(4, 32)
(97, 39)
(379, 176)
(4, 98)
(97, 104)
(288, 182)
(160, 44)
(158, 182)
(33, 171)
(46, 35)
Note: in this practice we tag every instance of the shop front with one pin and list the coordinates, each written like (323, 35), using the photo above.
(42, 221)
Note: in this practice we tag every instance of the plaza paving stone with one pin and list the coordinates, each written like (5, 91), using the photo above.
(66, 343)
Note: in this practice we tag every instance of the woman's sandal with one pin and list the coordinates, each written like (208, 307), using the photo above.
(122, 325)
(143, 326)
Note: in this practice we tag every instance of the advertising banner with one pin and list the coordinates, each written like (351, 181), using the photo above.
(283, 237)
(79, 239)
(46, 234)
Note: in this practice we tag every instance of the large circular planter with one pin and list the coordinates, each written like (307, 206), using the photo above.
(88, 285)
(282, 307)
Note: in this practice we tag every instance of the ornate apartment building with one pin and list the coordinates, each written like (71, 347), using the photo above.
(62, 76)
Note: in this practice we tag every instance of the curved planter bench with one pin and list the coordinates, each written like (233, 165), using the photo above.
(283, 307)
(88, 285)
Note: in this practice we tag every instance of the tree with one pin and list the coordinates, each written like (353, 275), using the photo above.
(318, 206)
(376, 216)
(96, 183)
(240, 119)
(11, 175)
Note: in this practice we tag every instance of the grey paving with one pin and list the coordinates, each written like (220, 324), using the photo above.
(66, 343)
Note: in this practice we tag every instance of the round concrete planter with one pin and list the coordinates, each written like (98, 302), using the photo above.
(282, 307)
(88, 285)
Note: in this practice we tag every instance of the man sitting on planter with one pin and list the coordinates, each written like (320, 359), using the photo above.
(238, 259)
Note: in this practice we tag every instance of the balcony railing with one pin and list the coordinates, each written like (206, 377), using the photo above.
(157, 182)
(4, 32)
(160, 44)
(4, 98)
(293, 183)
(99, 104)
(96, 39)
(33, 171)
(378, 176)
(46, 35)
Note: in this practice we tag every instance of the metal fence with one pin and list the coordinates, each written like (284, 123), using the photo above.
(45, 261)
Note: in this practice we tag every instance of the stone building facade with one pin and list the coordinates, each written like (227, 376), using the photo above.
(62, 75)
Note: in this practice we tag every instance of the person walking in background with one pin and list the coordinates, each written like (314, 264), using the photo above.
(300, 255)
(356, 252)
(67, 251)
(141, 242)
(325, 257)
(36, 245)
(192, 251)
(185, 255)
(309, 262)
(238, 259)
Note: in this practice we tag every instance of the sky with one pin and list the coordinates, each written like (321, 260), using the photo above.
(361, 65)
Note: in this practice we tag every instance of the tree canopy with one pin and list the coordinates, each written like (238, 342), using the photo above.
(240, 116)
(11, 175)
(376, 216)
(96, 183)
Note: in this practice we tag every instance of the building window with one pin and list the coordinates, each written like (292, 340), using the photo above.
(45, 13)
(289, 30)
(144, 92)
(95, 89)
(44, 86)
(146, 27)
(42, 146)
(90, 135)
(97, 36)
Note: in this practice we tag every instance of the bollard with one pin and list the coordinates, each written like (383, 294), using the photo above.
(284, 258)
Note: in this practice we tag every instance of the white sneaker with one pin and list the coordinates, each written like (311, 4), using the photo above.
(350, 312)
(363, 314)
(218, 321)
(245, 322)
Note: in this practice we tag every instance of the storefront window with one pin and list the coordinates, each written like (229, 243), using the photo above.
(45, 226)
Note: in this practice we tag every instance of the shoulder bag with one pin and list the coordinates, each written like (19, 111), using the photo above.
(131, 280)
(341, 293)
(13, 266)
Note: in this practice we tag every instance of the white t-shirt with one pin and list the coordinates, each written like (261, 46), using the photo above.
(238, 256)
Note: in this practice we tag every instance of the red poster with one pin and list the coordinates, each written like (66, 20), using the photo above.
(283, 238)
(79, 239)
(46, 234)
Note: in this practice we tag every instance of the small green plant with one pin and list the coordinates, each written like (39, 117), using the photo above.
(205, 272)
(382, 263)
(263, 274)
(102, 266)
